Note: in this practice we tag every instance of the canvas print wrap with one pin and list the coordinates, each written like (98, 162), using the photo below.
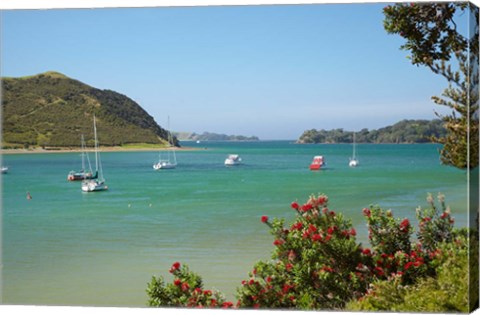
(300, 157)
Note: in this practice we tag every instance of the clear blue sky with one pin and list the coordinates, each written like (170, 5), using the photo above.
(269, 71)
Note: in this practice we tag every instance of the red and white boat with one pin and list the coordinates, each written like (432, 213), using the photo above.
(317, 163)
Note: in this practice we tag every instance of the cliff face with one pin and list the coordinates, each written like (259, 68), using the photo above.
(53, 110)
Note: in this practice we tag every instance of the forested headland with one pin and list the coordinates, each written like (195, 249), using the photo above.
(405, 131)
(51, 110)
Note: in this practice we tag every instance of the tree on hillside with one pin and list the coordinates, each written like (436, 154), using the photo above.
(434, 40)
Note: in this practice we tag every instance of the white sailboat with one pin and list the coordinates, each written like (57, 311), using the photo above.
(83, 173)
(170, 161)
(353, 160)
(97, 184)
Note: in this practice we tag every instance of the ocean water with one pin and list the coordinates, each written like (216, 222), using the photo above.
(65, 247)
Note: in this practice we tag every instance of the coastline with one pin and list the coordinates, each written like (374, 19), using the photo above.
(101, 149)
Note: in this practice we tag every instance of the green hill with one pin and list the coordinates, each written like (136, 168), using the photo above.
(52, 110)
(405, 131)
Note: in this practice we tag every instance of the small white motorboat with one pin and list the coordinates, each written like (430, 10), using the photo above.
(233, 159)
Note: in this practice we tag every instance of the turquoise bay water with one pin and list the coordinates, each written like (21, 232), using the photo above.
(65, 247)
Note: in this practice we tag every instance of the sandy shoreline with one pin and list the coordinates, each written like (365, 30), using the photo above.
(101, 149)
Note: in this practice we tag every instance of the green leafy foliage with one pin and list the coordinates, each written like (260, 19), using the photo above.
(446, 292)
(52, 110)
(318, 264)
(433, 39)
(185, 291)
(405, 131)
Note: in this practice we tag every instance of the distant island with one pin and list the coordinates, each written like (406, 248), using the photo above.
(405, 131)
(51, 110)
(209, 136)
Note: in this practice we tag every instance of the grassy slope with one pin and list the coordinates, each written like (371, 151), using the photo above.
(53, 110)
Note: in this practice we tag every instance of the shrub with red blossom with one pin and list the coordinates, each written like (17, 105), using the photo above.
(185, 291)
(387, 234)
(315, 263)
(318, 264)
(435, 226)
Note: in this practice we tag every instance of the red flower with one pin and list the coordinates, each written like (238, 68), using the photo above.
(327, 269)
(294, 205)
(366, 251)
(297, 226)
(316, 237)
(278, 242)
(418, 263)
(264, 219)
(328, 238)
(332, 213)
(287, 287)
(207, 292)
(227, 304)
(177, 282)
(353, 232)
(379, 271)
(407, 265)
(256, 305)
(321, 200)
(330, 230)
(312, 228)
(366, 212)
(185, 286)
(444, 215)
(269, 279)
(175, 266)
(251, 282)
(404, 225)
(288, 267)
(307, 207)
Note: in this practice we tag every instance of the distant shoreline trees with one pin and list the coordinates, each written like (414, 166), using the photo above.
(405, 131)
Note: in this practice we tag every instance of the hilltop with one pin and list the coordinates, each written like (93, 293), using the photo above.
(53, 110)
(405, 131)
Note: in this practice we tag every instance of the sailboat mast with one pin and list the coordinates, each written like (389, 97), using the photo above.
(96, 143)
(83, 152)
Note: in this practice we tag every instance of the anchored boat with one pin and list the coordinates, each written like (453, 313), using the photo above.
(233, 159)
(317, 163)
(97, 184)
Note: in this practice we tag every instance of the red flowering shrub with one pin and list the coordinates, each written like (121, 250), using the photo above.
(387, 234)
(317, 263)
(185, 291)
(434, 228)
